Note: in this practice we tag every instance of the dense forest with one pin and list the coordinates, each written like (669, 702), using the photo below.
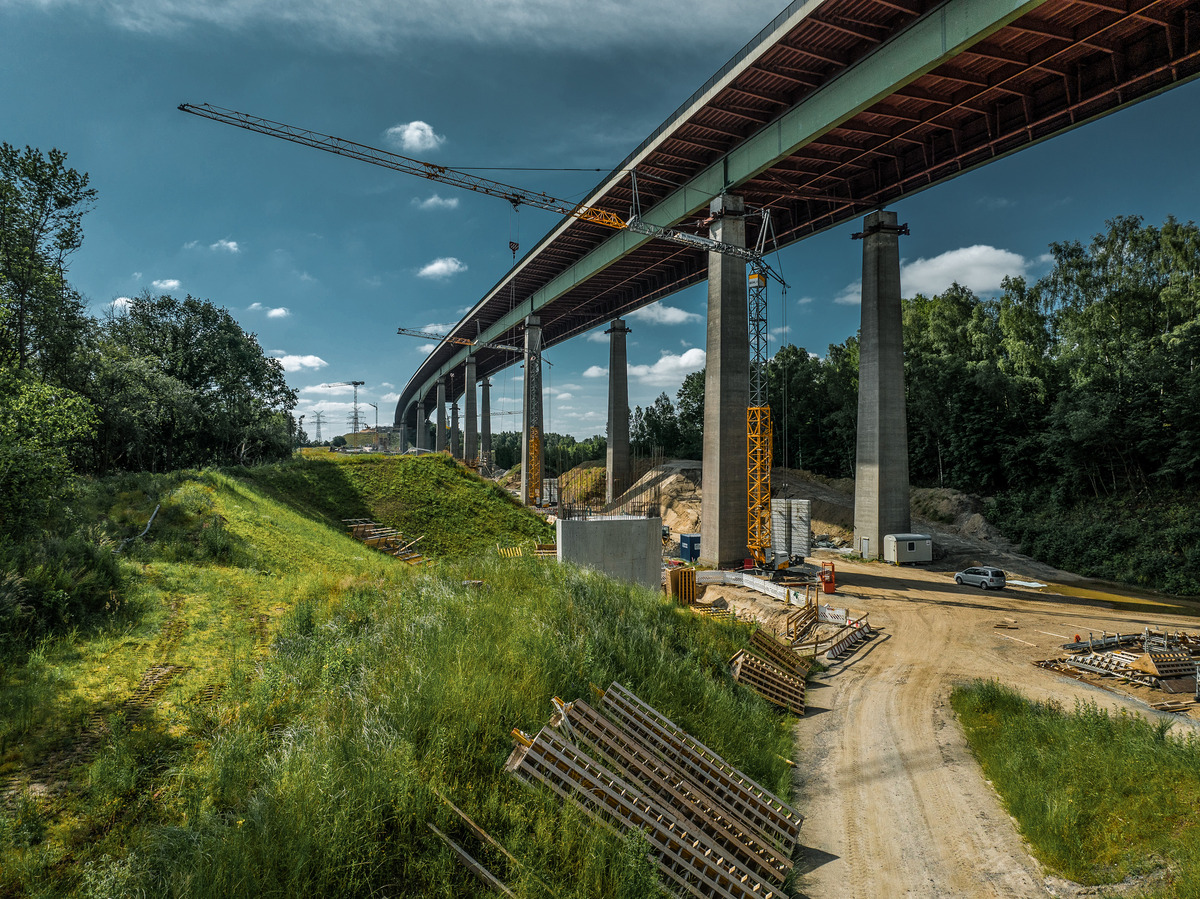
(156, 384)
(1073, 402)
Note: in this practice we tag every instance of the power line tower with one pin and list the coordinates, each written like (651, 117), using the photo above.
(319, 419)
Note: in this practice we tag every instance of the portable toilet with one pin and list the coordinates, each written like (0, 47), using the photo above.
(901, 548)
(689, 547)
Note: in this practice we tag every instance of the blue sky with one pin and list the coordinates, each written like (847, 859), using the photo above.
(324, 257)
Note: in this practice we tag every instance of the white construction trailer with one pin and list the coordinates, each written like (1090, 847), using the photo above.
(901, 548)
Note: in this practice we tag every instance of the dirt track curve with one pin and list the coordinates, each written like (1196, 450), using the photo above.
(895, 804)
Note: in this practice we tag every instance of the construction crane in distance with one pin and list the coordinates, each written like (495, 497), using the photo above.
(355, 385)
(517, 196)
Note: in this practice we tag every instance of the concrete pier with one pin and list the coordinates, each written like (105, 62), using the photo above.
(532, 409)
(422, 425)
(726, 394)
(439, 438)
(618, 412)
(881, 471)
(471, 446)
(485, 422)
(455, 443)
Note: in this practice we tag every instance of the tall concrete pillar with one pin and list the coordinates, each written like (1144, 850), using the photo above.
(422, 425)
(726, 394)
(403, 435)
(439, 438)
(618, 412)
(531, 487)
(485, 422)
(881, 470)
(471, 448)
(455, 443)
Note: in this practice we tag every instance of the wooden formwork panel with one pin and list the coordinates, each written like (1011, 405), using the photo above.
(769, 682)
(800, 623)
(718, 614)
(775, 822)
(686, 860)
(669, 785)
(681, 583)
(1167, 663)
(781, 655)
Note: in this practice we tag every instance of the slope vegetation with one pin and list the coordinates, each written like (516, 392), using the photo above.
(279, 709)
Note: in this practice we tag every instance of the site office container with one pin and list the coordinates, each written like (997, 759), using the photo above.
(901, 548)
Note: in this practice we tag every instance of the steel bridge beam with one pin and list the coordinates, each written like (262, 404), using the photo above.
(924, 45)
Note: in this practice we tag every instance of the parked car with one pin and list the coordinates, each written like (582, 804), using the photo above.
(983, 578)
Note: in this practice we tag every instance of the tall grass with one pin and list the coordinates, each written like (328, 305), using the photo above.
(314, 771)
(1099, 796)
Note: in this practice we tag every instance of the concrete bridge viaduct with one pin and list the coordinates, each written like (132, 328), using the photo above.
(836, 108)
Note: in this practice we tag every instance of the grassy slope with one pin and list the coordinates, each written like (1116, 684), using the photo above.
(456, 512)
(1099, 797)
(312, 770)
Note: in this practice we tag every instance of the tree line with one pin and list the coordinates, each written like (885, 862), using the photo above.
(157, 383)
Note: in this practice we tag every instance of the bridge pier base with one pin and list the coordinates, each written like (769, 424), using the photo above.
(617, 461)
(881, 504)
(471, 444)
(531, 424)
(439, 438)
(726, 393)
(422, 425)
(455, 442)
(485, 422)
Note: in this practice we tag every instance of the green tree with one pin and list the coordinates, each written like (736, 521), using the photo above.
(690, 415)
(42, 204)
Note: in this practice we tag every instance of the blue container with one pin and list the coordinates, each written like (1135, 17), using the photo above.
(689, 547)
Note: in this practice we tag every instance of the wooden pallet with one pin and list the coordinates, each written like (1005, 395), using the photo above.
(668, 784)
(781, 655)
(684, 857)
(769, 682)
(718, 614)
(1173, 705)
(774, 821)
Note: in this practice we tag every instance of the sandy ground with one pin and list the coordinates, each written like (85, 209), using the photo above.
(895, 804)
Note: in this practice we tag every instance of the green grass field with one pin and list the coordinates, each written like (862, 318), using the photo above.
(1099, 797)
(272, 706)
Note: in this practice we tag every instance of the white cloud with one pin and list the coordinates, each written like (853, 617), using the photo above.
(166, 284)
(383, 26)
(298, 363)
(436, 202)
(426, 348)
(597, 336)
(851, 295)
(328, 389)
(229, 246)
(388, 384)
(121, 303)
(804, 301)
(137, 276)
(670, 369)
(191, 245)
(441, 328)
(415, 137)
(979, 268)
(566, 396)
(596, 371)
(276, 312)
(779, 332)
(442, 268)
(390, 398)
(661, 314)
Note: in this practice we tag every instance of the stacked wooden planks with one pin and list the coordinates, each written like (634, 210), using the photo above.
(713, 831)
(385, 539)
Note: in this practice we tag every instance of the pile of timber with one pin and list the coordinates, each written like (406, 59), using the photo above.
(385, 539)
(537, 550)
(712, 830)
(773, 670)
(681, 584)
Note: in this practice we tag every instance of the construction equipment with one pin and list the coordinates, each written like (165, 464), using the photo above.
(354, 416)
(759, 432)
(517, 196)
(459, 341)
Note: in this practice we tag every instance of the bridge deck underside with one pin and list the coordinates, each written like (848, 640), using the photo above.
(1060, 64)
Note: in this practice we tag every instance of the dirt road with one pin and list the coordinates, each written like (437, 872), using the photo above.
(895, 804)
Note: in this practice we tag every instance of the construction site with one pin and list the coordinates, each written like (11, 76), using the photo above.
(863, 654)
